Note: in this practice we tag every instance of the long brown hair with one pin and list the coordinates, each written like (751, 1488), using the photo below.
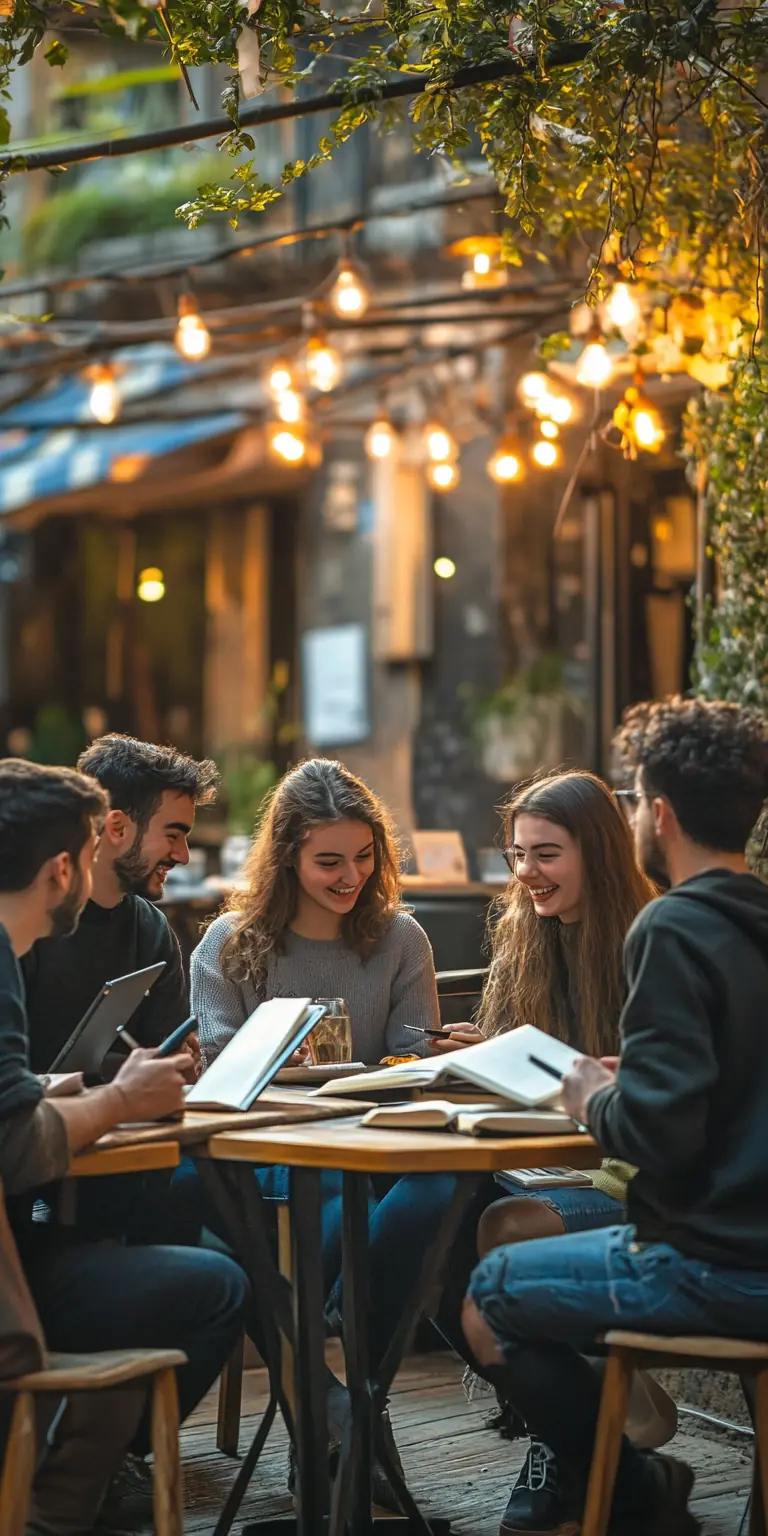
(526, 982)
(318, 791)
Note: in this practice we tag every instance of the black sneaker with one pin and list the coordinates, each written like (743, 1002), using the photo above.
(128, 1501)
(537, 1505)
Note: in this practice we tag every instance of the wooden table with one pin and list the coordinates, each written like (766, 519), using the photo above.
(138, 1157)
(296, 1315)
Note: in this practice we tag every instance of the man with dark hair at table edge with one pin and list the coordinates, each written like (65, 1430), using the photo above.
(153, 793)
(687, 1107)
(90, 1296)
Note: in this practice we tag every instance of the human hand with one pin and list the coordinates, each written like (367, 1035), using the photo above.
(300, 1057)
(152, 1086)
(457, 1038)
(611, 1062)
(585, 1077)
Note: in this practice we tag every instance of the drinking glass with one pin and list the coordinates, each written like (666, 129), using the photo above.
(331, 1039)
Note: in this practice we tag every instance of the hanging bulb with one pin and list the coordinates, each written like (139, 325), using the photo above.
(444, 476)
(193, 339)
(104, 398)
(348, 298)
(481, 264)
(279, 377)
(638, 421)
(150, 587)
(444, 567)
(595, 366)
(622, 308)
(380, 439)
(560, 409)
(545, 454)
(438, 443)
(549, 429)
(289, 407)
(506, 462)
(533, 386)
(286, 443)
(322, 364)
(484, 266)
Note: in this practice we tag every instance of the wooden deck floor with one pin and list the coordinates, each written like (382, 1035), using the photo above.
(455, 1466)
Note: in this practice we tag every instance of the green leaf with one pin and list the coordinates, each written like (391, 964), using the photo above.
(57, 54)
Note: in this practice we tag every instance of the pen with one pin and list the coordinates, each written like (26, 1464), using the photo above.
(129, 1040)
(544, 1066)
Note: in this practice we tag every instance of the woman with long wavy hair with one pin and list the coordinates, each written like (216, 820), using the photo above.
(321, 917)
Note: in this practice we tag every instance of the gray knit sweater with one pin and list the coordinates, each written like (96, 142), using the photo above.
(392, 987)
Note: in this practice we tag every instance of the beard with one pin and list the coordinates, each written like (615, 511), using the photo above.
(134, 873)
(652, 861)
(66, 916)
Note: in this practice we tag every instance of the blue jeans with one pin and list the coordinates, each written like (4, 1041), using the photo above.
(93, 1296)
(547, 1302)
(580, 1208)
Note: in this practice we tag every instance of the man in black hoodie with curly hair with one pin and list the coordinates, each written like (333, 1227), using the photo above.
(688, 1107)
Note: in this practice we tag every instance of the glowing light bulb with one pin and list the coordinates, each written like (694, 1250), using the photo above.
(560, 409)
(104, 398)
(622, 307)
(151, 585)
(438, 443)
(443, 476)
(348, 297)
(533, 386)
(286, 445)
(380, 438)
(648, 431)
(322, 365)
(481, 263)
(505, 463)
(290, 407)
(545, 454)
(444, 568)
(193, 339)
(279, 377)
(549, 429)
(595, 366)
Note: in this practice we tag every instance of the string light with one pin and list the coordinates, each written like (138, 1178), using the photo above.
(549, 429)
(104, 398)
(438, 443)
(506, 462)
(545, 454)
(444, 476)
(349, 297)
(193, 338)
(151, 585)
(286, 444)
(638, 421)
(533, 387)
(322, 364)
(289, 407)
(280, 377)
(482, 254)
(595, 366)
(560, 409)
(444, 567)
(380, 438)
(622, 308)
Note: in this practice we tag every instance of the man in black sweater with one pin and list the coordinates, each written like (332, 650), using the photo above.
(153, 792)
(688, 1107)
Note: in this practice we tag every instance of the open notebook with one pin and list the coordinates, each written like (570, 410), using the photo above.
(500, 1066)
(251, 1058)
(468, 1120)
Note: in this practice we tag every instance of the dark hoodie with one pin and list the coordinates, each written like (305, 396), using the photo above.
(690, 1106)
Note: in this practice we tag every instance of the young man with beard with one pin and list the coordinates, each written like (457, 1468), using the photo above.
(153, 792)
(90, 1296)
(687, 1107)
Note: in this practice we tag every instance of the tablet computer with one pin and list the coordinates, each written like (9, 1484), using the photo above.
(97, 1031)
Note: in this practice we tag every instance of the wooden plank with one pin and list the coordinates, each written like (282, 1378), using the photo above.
(359, 1149)
(132, 1158)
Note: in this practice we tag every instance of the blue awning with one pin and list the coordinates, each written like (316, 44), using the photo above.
(41, 457)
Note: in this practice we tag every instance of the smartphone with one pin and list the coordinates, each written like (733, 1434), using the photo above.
(174, 1042)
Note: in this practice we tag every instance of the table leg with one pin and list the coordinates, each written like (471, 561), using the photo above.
(309, 1352)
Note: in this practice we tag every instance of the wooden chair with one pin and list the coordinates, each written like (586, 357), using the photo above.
(67, 1374)
(631, 1351)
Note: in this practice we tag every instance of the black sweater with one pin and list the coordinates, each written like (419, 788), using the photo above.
(63, 976)
(690, 1105)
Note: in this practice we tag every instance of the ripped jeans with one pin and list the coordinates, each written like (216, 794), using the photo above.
(546, 1303)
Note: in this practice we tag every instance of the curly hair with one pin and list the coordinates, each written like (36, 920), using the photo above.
(315, 793)
(709, 760)
(527, 982)
(136, 774)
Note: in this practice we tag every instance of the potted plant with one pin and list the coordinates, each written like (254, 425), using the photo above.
(521, 727)
(246, 780)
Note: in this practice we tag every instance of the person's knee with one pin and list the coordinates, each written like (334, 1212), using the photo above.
(225, 1285)
(516, 1221)
(479, 1336)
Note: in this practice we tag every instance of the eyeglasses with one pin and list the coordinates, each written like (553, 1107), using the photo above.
(628, 799)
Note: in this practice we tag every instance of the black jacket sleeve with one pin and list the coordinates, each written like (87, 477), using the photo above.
(655, 1116)
(19, 1089)
(168, 1002)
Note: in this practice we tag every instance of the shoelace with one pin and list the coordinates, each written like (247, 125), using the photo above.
(539, 1470)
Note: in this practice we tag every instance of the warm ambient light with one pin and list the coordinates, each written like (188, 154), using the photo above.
(482, 253)
(322, 365)
(444, 568)
(348, 297)
(290, 407)
(438, 443)
(151, 585)
(193, 339)
(595, 366)
(279, 377)
(545, 454)
(560, 409)
(286, 444)
(444, 476)
(380, 438)
(638, 421)
(506, 462)
(549, 429)
(533, 386)
(622, 307)
(104, 398)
